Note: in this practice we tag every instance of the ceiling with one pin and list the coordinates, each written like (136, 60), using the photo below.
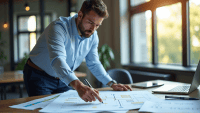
(6, 1)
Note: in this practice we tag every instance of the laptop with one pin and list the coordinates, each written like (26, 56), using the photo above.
(181, 89)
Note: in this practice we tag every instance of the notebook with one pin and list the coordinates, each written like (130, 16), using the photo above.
(181, 89)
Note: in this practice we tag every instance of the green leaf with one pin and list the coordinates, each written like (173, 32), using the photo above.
(105, 55)
(111, 55)
(103, 48)
(107, 63)
(21, 64)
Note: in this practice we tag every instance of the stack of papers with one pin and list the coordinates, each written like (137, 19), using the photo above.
(113, 101)
(184, 106)
(38, 103)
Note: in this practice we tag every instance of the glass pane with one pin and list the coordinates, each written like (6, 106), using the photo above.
(47, 20)
(23, 23)
(141, 35)
(169, 31)
(27, 23)
(32, 40)
(32, 23)
(23, 44)
(138, 2)
(38, 35)
(194, 31)
(38, 23)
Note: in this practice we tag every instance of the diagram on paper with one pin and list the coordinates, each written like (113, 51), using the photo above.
(112, 100)
(191, 106)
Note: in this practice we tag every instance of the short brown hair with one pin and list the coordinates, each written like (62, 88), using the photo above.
(96, 5)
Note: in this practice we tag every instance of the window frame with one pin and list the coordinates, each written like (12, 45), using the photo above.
(22, 32)
(152, 5)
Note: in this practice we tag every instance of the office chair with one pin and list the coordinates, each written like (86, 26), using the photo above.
(120, 75)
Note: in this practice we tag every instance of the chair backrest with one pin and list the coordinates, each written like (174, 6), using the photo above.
(120, 75)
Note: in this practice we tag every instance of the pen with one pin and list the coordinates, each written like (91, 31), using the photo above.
(89, 85)
(181, 98)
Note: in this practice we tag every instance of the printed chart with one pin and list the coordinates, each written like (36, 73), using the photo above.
(38, 103)
(191, 106)
(112, 100)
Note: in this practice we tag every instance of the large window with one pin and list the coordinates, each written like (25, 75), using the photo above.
(194, 31)
(169, 34)
(28, 32)
(165, 31)
(141, 28)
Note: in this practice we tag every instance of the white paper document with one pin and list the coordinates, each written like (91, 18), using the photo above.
(184, 106)
(38, 103)
(112, 101)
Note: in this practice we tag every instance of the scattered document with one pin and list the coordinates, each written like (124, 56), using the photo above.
(38, 103)
(191, 106)
(112, 101)
(78, 111)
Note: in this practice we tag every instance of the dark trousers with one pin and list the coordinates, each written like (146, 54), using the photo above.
(40, 83)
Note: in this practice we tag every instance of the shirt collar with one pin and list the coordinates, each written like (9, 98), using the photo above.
(75, 30)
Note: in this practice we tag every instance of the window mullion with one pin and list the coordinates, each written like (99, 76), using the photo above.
(130, 38)
(154, 38)
(185, 34)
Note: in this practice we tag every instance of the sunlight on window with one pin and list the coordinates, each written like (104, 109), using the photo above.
(148, 14)
(197, 2)
(163, 12)
(195, 41)
(138, 2)
(194, 31)
(169, 34)
(142, 33)
(32, 40)
(32, 23)
(165, 59)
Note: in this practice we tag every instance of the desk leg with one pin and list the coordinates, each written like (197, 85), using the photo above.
(20, 90)
(4, 91)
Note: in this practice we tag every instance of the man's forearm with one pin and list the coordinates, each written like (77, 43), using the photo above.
(76, 84)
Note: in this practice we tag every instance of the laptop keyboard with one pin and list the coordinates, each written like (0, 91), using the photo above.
(180, 89)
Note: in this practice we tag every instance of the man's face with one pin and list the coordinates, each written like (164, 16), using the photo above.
(89, 23)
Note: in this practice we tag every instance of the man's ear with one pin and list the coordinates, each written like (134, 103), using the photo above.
(80, 15)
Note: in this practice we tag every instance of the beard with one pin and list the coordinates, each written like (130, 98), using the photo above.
(83, 31)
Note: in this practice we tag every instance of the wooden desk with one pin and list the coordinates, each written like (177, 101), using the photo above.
(11, 78)
(4, 104)
(16, 78)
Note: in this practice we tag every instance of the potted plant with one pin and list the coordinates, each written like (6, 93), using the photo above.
(21, 64)
(2, 54)
(105, 55)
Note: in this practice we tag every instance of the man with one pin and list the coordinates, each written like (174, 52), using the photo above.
(60, 50)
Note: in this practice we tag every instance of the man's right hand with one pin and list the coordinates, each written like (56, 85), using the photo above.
(86, 93)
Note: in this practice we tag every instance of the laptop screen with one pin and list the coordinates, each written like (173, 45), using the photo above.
(196, 79)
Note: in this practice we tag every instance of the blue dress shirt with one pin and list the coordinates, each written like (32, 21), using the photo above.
(60, 50)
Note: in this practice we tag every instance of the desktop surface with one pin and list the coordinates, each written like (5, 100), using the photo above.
(4, 104)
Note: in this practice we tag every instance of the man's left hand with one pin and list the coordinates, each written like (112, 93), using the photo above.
(121, 87)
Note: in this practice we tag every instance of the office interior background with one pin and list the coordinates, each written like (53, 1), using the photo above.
(160, 37)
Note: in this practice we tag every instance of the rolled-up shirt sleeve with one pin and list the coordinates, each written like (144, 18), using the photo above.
(57, 53)
(94, 64)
